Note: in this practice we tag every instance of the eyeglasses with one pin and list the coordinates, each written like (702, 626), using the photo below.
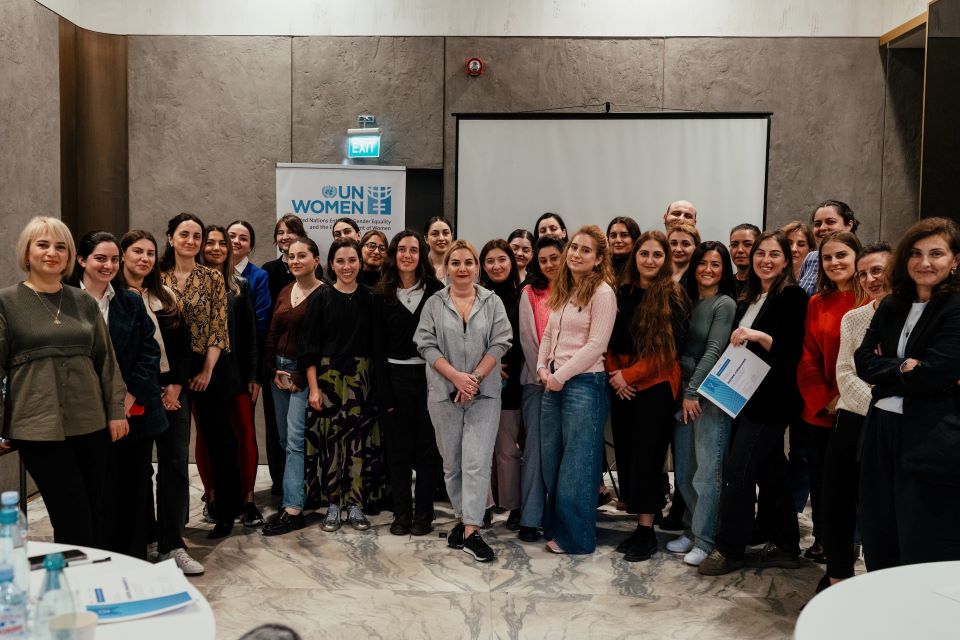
(373, 246)
(875, 272)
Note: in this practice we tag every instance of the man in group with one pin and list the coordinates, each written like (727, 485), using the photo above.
(680, 211)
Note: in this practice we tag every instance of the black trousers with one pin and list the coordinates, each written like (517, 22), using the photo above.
(409, 436)
(841, 487)
(210, 411)
(70, 476)
(642, 429)
(756, 455)
(173, 481)
(903, 518)
(128, 497)
(276, 456)
(816, 439)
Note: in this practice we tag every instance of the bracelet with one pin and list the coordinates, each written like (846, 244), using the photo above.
(476, 377)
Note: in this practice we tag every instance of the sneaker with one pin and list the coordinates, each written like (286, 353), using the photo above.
(209, 513)
(356, 518)
(252, 516)
(717, 564)
(185, 563)
(476, 546)
(152, 553)
(643, 546)
(683, 544)
(331, 522)
(455, 537)
(773, 556)
(695, 557)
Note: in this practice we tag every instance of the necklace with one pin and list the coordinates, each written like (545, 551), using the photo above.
(298, 293)
(464, 308)
(55, 316)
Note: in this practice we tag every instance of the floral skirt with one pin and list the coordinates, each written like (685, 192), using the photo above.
(344, 456)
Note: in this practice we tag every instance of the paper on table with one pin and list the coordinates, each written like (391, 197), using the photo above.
(734, 379)
(118, 596)
(950, 592)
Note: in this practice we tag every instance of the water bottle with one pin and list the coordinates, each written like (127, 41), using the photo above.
(11, 500)
(13, 606)
(11, 553)
(56, 598)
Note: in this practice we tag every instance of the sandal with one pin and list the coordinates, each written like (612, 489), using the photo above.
(553, 547)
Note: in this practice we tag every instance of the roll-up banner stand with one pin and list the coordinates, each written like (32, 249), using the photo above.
(373, 196)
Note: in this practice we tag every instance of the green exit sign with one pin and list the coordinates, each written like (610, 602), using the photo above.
(363, 145)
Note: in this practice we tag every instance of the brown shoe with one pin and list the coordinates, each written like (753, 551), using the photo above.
(717, 564)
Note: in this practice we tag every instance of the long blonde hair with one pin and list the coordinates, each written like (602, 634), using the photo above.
(565, 289)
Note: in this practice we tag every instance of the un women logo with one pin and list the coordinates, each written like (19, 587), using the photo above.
(380, 200)
(329, 191)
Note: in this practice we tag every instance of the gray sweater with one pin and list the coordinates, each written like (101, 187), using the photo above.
(441, 334)
(711, 322)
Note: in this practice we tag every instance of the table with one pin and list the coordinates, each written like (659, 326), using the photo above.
(891, 603)
(195, 621)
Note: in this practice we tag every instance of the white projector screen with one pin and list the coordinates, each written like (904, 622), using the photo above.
(590, 168)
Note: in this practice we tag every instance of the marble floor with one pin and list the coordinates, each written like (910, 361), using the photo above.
(371, 584)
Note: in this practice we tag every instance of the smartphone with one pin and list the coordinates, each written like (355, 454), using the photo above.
(72, 556)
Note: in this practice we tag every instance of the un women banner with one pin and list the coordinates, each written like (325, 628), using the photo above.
(373, 196)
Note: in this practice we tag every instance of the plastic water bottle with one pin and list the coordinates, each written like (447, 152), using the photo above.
(13, 606)
(11, 500)
(56, 598)
(11, 553)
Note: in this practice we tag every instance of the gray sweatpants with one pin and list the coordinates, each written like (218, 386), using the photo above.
(465, 438)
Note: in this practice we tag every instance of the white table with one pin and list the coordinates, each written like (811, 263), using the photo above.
(195, 621)
(899, 603)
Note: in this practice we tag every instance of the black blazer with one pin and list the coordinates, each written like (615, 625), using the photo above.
(138, 356)
(241, 361)
(782, 316)
(928, 390)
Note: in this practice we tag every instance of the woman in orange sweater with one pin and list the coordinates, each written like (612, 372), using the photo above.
(838, 291)
(643, 365)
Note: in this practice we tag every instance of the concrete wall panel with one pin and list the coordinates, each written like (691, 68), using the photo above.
(901, 141)
(209, 118)
(399, 80)
(827, 97)
(29, 123)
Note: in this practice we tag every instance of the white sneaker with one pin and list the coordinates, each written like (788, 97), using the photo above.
(152, 553)
(188, 565)
(695, 557)
(683, 544)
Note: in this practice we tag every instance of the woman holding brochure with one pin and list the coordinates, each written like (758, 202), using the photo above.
(770, 323)
(702, 432)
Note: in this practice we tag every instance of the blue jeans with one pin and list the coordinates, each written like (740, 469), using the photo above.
(699, 448)
(571, 450)
(291, 412)
(532, 490)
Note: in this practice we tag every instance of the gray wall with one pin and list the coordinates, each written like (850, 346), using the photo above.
(210, 115)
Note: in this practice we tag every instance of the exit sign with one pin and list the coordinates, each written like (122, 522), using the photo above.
(363, 145)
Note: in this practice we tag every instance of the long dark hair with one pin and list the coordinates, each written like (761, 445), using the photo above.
(825, 285)
(632, 227)
(225, 269)
(435, 219)
(169, 255)
(728, 284)
(390, 274)
(509, 290)
(169, 314)
(849, 217)
(521, 233)
(535, 277)
(654, 323)
(544, 216)
(85, 247)
(902, 287)
(754, 288)
(249, 227)
(340, 243)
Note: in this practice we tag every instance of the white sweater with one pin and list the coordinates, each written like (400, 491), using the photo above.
(854, 392)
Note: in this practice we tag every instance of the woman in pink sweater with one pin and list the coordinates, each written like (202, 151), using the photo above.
(575, 402)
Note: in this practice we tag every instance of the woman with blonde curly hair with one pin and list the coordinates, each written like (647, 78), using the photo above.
(575, 404)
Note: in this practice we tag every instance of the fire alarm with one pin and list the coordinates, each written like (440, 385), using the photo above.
(474, 67)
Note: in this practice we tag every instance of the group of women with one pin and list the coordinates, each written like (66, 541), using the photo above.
(419, 356)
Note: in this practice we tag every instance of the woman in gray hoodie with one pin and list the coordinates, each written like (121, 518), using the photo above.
(463, 334)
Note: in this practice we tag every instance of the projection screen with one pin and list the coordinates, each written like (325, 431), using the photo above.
(592, 167)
